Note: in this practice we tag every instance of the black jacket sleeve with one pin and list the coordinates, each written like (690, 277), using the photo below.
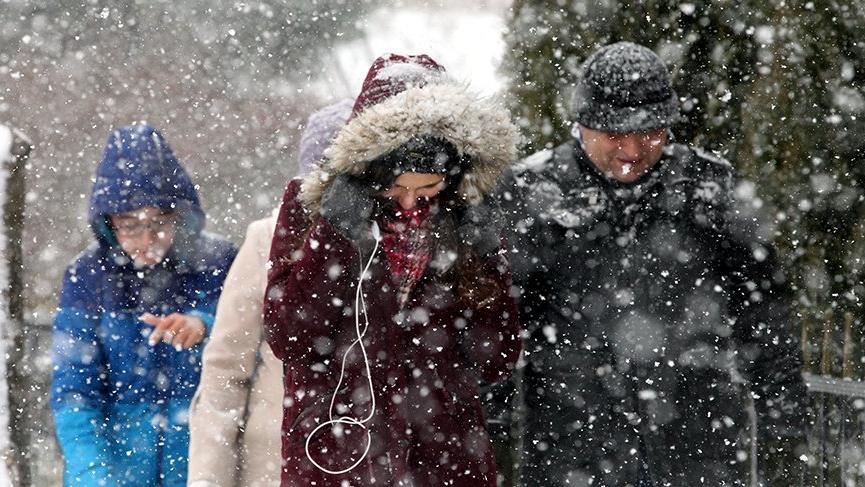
(767, 339)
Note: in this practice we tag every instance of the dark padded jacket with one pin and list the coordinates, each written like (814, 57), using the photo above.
(652, 310)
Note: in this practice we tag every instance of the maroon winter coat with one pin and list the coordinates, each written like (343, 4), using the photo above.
(457, 329)
(426, 361)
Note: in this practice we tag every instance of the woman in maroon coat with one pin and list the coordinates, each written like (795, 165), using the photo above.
(400, 200)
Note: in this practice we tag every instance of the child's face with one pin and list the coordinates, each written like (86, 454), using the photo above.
(145, 234)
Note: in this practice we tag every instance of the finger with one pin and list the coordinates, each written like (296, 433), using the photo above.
(159, 328)
(150, 319)
(155, 336)
(170, 336)
(179, 340)
(179, 335)
(189, 339)
(170, 326)
(165, 329)
(184, 331)
(194, 338)
(195, 332)
(176, 316)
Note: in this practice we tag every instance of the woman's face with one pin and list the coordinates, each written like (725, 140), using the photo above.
(145, 234)
(411, 187)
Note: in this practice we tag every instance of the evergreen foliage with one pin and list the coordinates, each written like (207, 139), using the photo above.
(774, 86)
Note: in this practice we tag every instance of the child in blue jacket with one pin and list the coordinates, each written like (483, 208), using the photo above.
(134, 309)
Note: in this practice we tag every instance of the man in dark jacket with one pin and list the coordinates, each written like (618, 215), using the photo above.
(659, 329)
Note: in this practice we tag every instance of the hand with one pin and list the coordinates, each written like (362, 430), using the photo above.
(480, 227)
(176, 329)
(348, 204)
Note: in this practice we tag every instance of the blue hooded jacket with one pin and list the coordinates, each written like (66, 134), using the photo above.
(120, 405)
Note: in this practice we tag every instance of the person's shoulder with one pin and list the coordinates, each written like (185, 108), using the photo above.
(703, 164)
(84, 276)
(262, 226)
(535, 163)
(91, 261)
(708, 180)
(551, 169)
(215, 250)
(292, 188)
(546, 161)
(291, 198)
(259, 233)
(293, 210)
(711, 175)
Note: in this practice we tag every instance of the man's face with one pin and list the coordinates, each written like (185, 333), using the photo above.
(624, 157)
(145, 234)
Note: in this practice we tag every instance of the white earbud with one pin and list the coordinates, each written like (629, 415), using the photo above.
(577, 134)
(376, 233)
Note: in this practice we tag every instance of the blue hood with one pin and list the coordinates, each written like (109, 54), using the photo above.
(139, 169)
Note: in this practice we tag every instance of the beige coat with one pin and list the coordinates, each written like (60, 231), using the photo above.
(236, 414)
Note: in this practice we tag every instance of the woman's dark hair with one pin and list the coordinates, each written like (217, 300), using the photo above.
(422, 154)
(434, 155)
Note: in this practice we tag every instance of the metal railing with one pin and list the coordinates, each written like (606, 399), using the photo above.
(837, 440)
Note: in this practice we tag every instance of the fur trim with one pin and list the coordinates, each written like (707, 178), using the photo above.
(478, 127)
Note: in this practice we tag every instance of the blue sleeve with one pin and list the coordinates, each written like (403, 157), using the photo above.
(206, 317)
(78, 388)
(85, 447)
(207, 285)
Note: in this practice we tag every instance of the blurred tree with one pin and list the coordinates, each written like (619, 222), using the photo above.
(777, 87)
(230, 83)
(288, 38)
(14, 151)
(709, 45)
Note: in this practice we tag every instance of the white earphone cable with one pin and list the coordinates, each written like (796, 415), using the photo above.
(360, 304)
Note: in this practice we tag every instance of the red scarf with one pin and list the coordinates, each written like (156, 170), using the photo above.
(406, 241)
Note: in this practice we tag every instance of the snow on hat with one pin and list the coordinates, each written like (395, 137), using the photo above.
(392, 74)
(321, 127)
(625, 87)
(405, 100)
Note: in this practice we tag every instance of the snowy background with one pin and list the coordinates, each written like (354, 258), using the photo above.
(234, 124)
(775, 86)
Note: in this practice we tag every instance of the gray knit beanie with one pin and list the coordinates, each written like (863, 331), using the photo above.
(625, 87)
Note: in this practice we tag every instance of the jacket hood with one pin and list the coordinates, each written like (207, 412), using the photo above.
(138, 169)
(479, 128)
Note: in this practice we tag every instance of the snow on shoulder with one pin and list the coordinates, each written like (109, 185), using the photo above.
(536, 162)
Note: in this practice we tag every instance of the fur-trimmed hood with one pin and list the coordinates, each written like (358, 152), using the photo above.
(478, 127)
